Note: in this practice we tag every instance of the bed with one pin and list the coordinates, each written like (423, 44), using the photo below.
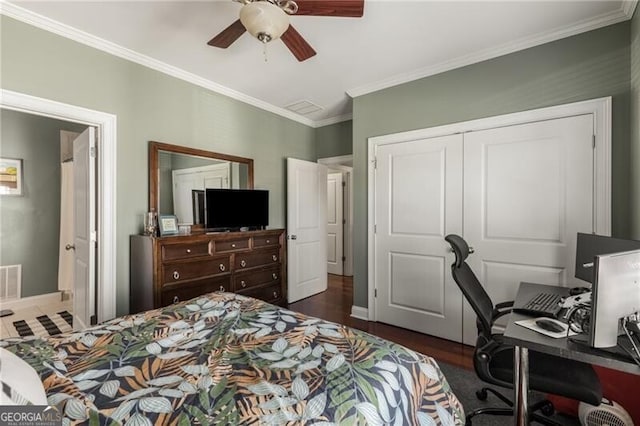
(224, 358)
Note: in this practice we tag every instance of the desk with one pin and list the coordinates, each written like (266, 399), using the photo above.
(524, 339)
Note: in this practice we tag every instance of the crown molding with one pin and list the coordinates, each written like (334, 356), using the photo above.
(332, 120)
(21, 14)
(625, 12)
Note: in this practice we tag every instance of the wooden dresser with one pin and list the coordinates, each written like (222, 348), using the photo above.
(167, 270)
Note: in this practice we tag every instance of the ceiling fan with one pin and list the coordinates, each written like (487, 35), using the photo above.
(268, 20)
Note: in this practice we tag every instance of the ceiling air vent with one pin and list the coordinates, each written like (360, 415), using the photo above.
(304, 107)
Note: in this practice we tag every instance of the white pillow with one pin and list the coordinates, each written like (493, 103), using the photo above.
(19, 382)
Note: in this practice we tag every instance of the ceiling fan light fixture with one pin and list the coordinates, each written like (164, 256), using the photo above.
(264, 20)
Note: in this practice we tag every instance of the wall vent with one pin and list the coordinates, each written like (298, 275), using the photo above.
(10, 282)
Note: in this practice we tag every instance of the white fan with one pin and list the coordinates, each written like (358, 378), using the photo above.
(608, 413)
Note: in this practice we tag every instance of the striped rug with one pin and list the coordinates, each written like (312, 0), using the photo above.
(45, 325)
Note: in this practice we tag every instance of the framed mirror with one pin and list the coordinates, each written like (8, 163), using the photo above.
(179, 175)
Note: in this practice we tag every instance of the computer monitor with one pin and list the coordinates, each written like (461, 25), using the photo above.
(590, 245)
(615, 295)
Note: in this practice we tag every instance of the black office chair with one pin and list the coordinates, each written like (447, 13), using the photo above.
(493, 359)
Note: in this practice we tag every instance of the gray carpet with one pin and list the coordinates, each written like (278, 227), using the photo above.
(465, 383)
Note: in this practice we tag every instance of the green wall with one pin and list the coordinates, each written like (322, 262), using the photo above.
(149, 106)
(591, 65)
(30, 224)
(635, 125)
(334, 140)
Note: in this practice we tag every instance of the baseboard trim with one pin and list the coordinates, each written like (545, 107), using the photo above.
(41, 299)
(360, 313)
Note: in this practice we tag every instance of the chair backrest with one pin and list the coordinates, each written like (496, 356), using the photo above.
(471, 288)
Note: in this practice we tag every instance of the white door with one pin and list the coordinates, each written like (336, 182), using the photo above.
(84, 204)
(199, 178)
(527, 192)
(306, 228)
(335, 224)
(418, 200)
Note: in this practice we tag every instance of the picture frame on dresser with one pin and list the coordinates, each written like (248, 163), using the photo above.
(168, 225)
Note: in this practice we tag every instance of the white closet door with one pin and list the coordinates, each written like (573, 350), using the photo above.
(418, 200)
(527, 192)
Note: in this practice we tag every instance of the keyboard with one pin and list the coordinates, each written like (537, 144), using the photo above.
(541, 305)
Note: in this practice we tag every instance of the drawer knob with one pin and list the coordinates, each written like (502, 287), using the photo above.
(275, 258)
(268, 241)
(222, 288)
(176, 275)
(233, 245)
(188, 250)
(274, 276)
(176, 299)
(243, 284)
(222, 267)
(243, 263)
(275, 294)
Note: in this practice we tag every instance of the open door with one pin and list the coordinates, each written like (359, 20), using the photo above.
(335, 224)
(306, 228)
(84, 241)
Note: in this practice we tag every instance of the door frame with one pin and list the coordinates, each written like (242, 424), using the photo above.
(343, 163)
(601, 110)
(106, 177)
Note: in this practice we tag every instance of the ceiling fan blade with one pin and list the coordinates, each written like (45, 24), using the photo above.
(297, 45)
(228, 35)
(346, 8)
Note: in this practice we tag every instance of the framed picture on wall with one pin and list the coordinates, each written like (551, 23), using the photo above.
(168, 225)
(10, 176)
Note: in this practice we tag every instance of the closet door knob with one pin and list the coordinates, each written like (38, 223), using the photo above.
(222, 267)
(176, 275)
(69, 247)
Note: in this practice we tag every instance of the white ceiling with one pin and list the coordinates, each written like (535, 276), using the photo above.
(394, 42)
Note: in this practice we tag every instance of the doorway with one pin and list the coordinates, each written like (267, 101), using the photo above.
(105, 236)
(339, 241)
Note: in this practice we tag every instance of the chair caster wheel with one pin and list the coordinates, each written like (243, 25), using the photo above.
(547, 409)
(481, 394)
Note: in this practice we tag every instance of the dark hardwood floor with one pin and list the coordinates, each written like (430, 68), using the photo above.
(335, 305)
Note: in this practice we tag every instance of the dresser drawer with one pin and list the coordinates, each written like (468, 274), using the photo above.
(256, 258)
(172, 272)
(266, 241)
(231, 245)
(185, 250)
(271, 294)
(181, 292)
(249, 279)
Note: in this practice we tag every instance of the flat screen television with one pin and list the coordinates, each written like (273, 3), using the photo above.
(232, 209)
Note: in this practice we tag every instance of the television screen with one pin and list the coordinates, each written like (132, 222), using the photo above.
(236, 208)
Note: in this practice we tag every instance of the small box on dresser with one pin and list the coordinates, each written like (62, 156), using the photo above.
(165, 270)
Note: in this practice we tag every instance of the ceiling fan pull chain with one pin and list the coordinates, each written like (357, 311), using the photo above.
(264, 51)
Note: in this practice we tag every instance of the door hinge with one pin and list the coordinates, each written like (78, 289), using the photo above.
(92, 152)
(344, 259)
(344, 184)
(375, 162)
(93, 320)
(594, 141)
(93, 236)
(344, 221)
(375, 292)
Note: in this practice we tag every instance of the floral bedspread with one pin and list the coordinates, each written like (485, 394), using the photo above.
(228, 359)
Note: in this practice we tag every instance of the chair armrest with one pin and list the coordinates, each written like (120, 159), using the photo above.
(501, 309)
